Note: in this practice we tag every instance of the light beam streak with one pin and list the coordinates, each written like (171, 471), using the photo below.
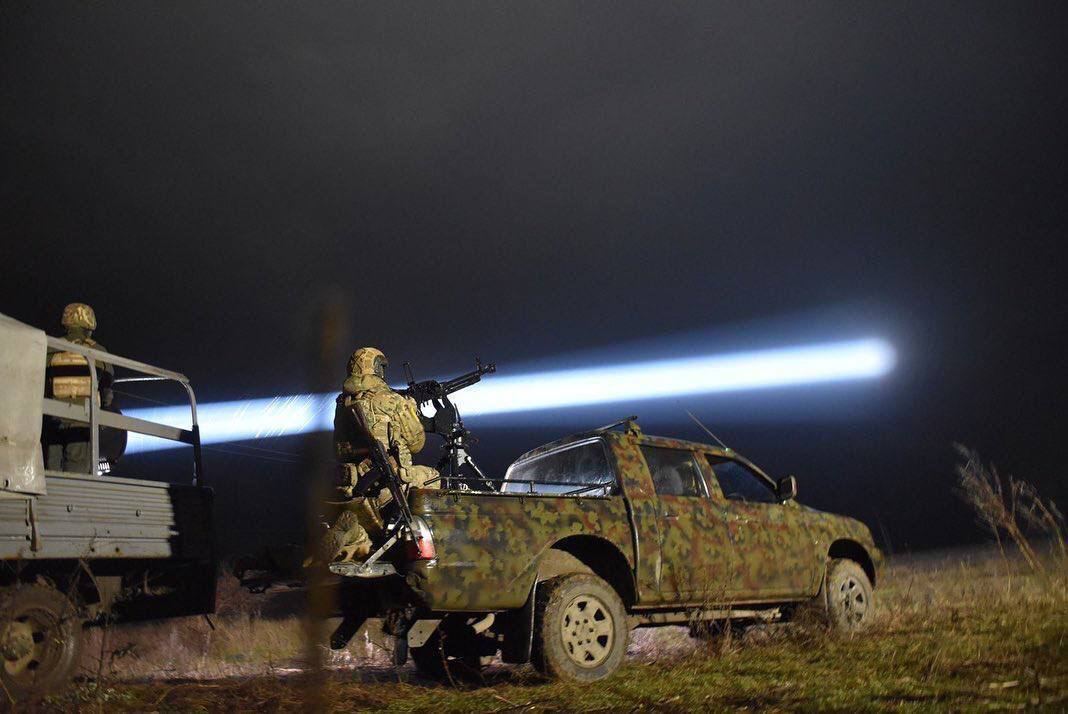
(559, 389)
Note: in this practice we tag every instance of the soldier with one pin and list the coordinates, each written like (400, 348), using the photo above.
(67, 442)
(395, 422)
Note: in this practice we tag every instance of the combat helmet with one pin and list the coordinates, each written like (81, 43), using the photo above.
(78, 314)
(368, 361)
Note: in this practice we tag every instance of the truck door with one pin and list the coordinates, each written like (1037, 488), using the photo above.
(775, 551)
(697, 559)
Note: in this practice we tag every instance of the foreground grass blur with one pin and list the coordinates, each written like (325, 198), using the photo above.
(961, 632)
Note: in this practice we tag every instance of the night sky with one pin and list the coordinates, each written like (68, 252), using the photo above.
(565, 184)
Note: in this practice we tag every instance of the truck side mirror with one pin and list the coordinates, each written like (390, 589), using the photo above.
(788, 488)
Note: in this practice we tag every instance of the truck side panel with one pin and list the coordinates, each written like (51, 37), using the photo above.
(489, 545)
(100, 517)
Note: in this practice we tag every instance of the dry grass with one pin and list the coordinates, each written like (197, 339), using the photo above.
(1009, 506)
(250, 635)
(964, 632)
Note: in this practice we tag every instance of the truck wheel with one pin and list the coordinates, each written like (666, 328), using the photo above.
(847, 596)
(580, 628)
(40, 640)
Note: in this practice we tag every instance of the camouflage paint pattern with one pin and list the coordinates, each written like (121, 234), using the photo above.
(826, 528)
(638, 489)
(489, 546)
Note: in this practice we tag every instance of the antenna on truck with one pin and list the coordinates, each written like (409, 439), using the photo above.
(707, 430)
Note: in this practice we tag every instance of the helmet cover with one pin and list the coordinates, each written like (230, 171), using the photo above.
(367, 361)
(78, 314)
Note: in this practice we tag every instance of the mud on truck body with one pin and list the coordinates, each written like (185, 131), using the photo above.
(590, 536)
(78, 549)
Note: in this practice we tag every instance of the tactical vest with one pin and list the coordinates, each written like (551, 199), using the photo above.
(69, 377)
(405, 418)
(402, 412)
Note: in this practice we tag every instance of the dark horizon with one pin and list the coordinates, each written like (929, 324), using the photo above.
(558, 184)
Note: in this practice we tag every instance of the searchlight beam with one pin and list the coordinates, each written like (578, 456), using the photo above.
(558, 389)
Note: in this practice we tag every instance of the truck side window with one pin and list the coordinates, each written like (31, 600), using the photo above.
(739, 483)
(566, 470)
(674, 472)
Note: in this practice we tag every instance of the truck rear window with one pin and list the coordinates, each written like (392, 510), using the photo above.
(674, 472)
(581, 469)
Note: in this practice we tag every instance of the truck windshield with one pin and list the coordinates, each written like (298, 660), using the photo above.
(573, 468)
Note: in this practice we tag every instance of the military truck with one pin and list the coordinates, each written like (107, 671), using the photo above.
(592, 535)
(78, 549)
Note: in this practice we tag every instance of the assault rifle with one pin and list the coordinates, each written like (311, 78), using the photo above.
(405, 527)
(386, 470)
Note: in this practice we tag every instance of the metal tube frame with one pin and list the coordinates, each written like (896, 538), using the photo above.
(92, 415)
(531, 483)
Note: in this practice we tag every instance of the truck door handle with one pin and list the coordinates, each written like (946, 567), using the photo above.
(672, 516)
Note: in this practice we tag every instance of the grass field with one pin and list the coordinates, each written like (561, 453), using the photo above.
(966, 631)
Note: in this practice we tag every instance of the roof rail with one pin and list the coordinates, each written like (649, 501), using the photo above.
(630, 422)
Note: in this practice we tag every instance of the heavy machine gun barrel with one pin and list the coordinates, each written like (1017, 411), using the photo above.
(432, 390)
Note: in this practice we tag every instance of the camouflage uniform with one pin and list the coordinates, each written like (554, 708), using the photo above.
(67, 442)
(394, 421)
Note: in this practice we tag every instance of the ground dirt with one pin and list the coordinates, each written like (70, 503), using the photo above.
(960, 631)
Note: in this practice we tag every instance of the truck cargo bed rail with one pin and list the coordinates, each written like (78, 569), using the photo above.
(89, 412)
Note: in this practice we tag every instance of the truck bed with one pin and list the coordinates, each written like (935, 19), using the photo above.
(94, 517)
(489, 545)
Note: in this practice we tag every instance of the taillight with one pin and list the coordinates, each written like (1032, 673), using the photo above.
(420, 545)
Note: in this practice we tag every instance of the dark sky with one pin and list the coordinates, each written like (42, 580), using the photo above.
(531, 181)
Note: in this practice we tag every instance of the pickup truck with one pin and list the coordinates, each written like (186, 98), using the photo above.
(78, 549)
(592, 535)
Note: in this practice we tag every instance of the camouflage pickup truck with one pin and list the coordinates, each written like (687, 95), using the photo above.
(592, 535)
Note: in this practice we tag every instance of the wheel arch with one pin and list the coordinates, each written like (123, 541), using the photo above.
(74, 578)
(852, 550)
(574, 554)
(590, 554)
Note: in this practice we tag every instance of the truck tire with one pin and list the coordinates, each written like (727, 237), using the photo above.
(41, 639)
(580, 628)
(847, 596)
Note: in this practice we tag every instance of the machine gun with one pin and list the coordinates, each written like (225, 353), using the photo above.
(434, 391)
(447, 422)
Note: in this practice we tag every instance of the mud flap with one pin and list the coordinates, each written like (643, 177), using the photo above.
(420, 632)
(518, 629)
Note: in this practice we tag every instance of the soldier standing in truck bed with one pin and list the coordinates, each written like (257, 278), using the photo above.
(67, 442)
(395, 422)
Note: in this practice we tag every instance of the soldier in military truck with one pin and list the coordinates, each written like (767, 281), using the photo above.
(66, 442)
(367, 403)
